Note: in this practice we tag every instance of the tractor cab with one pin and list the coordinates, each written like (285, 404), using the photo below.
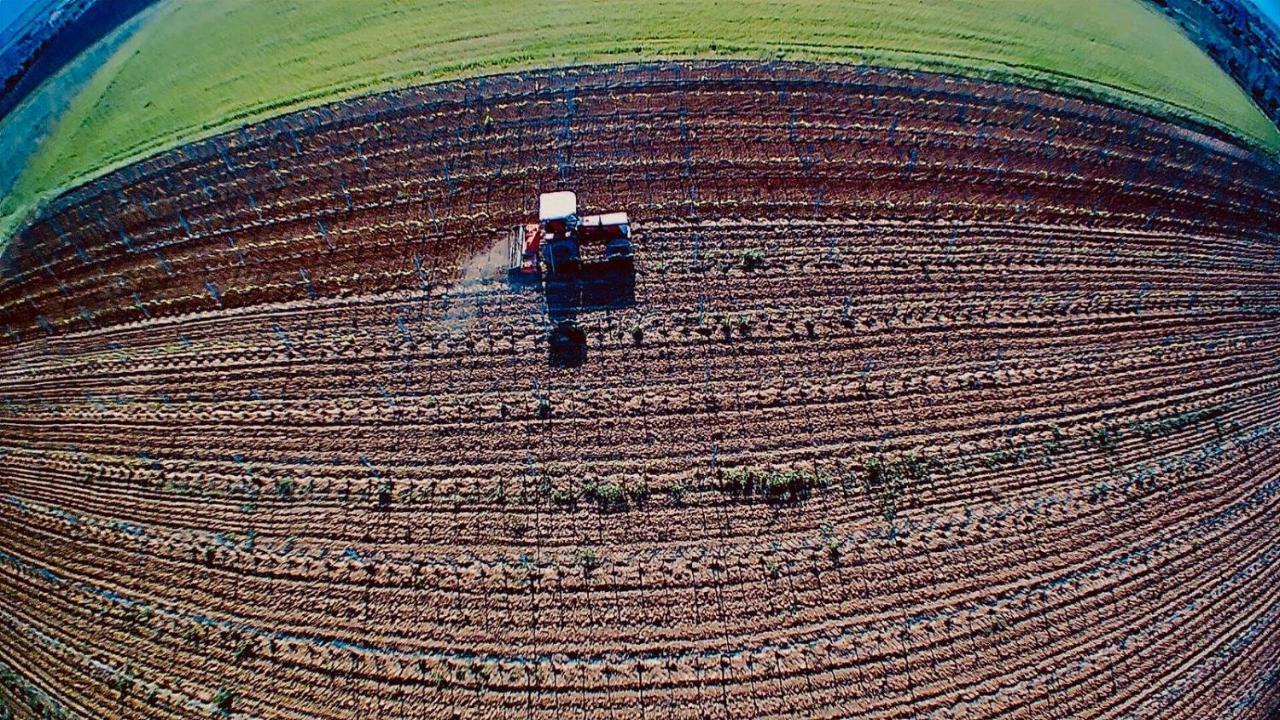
(564, 244)
(579, 264)
(558, 226)
(561, 245)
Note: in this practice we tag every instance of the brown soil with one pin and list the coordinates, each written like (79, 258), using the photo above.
(991, 432)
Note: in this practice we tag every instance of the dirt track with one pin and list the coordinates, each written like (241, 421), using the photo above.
(990, 432)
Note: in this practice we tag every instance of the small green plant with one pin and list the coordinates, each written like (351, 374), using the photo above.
(887, 481)
(833, 549)
(614, 496)
(498, 494)
(517, 526)
(676, 492)
(1174, 423)
(285, 487)
(1058, 444)
(587, 559)
(774, 486)
(123, 679)
(1106, 437)
(222, 702)
(829, 541)
(639, 492)
(1099, 492)
(564, 497)
(609, 497)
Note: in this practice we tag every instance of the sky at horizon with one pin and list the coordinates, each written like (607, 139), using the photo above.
(1268, 8)
(10, 11)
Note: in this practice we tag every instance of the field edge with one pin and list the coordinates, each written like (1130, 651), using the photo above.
(23, 201)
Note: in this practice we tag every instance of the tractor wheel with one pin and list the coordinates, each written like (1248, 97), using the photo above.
(568, 345)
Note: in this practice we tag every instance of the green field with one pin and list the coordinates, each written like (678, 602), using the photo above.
(202, 66)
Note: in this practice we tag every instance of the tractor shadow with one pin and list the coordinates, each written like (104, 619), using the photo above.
(596, 287)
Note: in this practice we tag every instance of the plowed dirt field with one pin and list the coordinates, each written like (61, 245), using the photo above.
(939, 398)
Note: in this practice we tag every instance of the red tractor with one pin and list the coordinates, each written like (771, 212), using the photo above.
(549, 255)
(553, 246)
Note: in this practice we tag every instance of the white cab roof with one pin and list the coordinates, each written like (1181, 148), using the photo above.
(557, 205)
(615, 218)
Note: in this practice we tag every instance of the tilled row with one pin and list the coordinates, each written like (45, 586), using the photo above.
(183, 459)
(395, 211)
(963, 632)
